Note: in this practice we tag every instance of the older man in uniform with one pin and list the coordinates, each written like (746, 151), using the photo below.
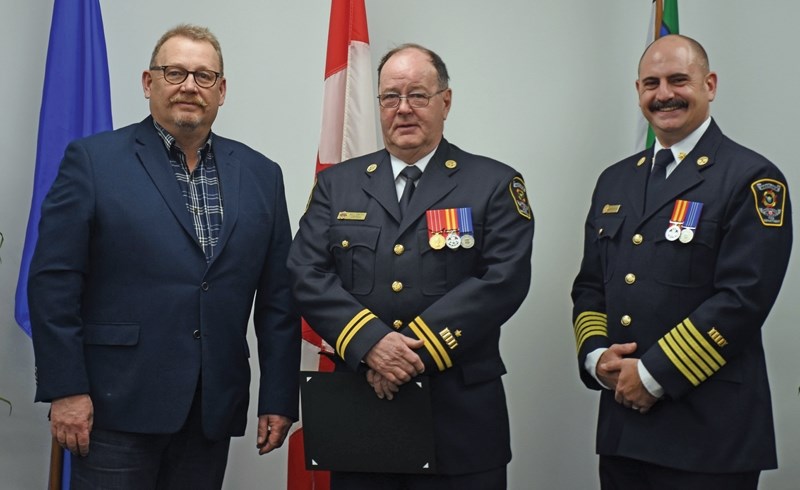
(404, 286)
(681, 266)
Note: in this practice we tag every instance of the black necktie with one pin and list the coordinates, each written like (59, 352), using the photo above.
(411, 174)
(658, 174)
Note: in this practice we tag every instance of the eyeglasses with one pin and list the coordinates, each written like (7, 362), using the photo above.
(415, 100)
(177, 75)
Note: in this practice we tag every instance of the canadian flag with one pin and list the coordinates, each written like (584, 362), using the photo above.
(348, 130)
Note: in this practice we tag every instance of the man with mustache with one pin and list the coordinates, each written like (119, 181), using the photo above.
(154, 240)
(686, 247)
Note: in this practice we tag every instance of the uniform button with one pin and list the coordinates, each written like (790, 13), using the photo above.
(600, 232)
(397, 286)
(204, 286)
(637, 239)
(399, 249)
(630, 278)
(345, 243)
(397, 324)
(626, 320)
(196, 334)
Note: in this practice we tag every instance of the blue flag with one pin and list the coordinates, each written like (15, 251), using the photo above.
(76, 102)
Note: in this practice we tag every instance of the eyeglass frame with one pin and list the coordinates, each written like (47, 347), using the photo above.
(416, 96)
(163, 68)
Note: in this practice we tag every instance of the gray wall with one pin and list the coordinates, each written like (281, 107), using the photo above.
(544, 85)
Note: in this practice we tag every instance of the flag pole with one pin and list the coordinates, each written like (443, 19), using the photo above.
(56, 465)
(659, 19)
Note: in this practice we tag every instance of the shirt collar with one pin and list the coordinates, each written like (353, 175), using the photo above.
(169, 140)
(398, 165)
(687, 144)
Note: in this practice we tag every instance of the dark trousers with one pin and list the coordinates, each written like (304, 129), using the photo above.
(487, 480)
(629, 474)
(130, 461)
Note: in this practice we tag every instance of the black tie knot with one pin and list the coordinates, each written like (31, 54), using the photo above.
(412, 174)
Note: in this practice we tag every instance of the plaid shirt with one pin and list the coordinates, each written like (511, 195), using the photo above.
(201, 190)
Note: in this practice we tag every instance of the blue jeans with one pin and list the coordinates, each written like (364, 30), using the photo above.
(131, 461)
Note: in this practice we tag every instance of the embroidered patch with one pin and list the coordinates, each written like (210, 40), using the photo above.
(717, 337)
(518, 194)
(770, 198)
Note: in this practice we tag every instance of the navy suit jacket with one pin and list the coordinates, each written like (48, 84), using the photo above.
(124, 306)
(694, 309)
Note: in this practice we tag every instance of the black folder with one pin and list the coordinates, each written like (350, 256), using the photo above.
(346, 427)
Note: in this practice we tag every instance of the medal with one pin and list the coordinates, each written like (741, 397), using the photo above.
(451, 228)
(678, 214)
(465, 227)
(692, 219)
(673, 233)
(435, 218)
(453, 240)
(436, 241)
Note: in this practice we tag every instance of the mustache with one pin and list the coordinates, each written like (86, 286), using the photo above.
(179, 99)
(668, 104)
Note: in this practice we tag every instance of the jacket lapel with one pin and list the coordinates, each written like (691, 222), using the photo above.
(152, 155)
(379, 184)
(229, 170)
(641, 172)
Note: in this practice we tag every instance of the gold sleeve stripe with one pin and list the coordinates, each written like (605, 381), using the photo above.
(351, 329)
(437, 344)
(691, 353)
(590, 324)
(436, 358)
(432, 344)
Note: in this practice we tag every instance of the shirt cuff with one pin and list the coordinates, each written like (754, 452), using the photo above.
(590, 364)
(649, 382)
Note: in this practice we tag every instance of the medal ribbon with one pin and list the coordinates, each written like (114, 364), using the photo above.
(679, 212)
(693, 215)
(435, 218)
(451, 220)
(465, 221)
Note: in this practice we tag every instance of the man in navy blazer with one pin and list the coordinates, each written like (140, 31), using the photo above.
(154, 241)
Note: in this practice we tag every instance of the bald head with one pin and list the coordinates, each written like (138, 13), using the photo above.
(672, 42)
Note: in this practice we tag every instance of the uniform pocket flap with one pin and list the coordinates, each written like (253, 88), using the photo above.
(354, 236)
(608, 226)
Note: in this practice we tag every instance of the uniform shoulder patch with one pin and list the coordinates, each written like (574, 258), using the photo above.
(770, 199)
(520, 197)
